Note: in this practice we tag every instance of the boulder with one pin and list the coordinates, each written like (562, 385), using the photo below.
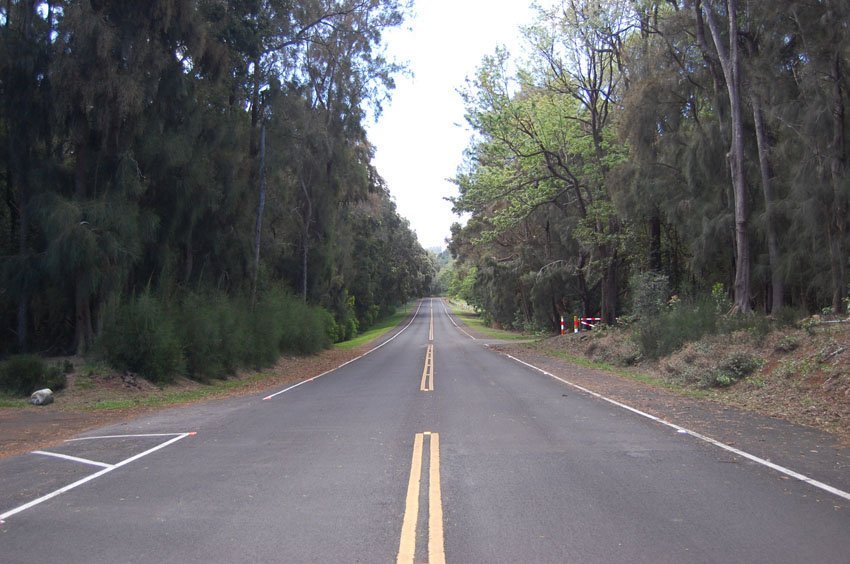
(42, 397)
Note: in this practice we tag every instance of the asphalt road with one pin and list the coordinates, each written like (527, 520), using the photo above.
(430, 448)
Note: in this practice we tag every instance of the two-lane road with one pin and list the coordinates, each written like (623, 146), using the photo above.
(429, 448)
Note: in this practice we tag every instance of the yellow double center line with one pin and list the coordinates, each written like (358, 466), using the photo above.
(427, 384)
(407, 545)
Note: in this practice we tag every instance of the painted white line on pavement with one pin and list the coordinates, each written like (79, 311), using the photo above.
(142, 435)
(270, 396)
(458, 327)
(69, 487)
(682, 430)
(73, 458)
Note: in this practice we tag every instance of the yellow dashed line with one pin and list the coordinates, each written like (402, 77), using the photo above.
(427, 384)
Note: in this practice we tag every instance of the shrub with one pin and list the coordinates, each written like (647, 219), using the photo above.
(731, 369)
(330, 325)
(672, 328)
(787, 343)
(22, 374)
(649, 294)
(54, 378)
(140, 337)
(284, 323)
(303, 329)
(212, 329)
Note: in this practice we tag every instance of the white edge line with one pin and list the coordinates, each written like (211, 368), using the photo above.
(683, 430)
(123, 436)
(73, 458)
(458, 327)
(270, 396)
(87, 479)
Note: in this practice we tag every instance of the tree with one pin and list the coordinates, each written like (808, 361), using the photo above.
(729, 59)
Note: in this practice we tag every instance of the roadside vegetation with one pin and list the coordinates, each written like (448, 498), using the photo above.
(791, 366)
(799, 372)
(194, 197)
(669, 167)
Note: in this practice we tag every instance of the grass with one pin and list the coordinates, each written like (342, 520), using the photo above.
(630, 374)
(173, 397)
(474, 322)
(378, 330)
(7, 401)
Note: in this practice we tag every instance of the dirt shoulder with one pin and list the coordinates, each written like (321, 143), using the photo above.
(97, 398)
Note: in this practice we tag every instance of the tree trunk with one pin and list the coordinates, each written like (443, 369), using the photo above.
(23, 300)
(23, 154)
(838, 167)
(583, 290)
(189, 259)
(305, 239)
(83, 332)
(777, 288)
(655, 242)
(730, 61)
(610, 291)
(258, 226)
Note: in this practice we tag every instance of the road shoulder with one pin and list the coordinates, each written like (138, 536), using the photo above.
(808, 451)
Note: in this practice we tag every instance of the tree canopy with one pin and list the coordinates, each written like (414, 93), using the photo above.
(700, 140)
(181, 147)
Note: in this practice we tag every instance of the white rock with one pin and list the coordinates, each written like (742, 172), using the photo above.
(42, 397)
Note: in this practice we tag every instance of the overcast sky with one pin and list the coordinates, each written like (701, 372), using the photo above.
(421, 135)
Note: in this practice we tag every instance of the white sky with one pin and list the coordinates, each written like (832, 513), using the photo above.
(421, 135)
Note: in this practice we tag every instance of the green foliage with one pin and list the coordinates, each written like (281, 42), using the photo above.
(731, 369)
(296, 327)
(787, 343)
(649, 295)
(23, 374)
(212, 335)
(136, 166)
(679, 324)
(213, 329)
(140, 336)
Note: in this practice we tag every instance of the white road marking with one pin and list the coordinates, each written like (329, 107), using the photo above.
(458, 327)
(69, 487)
(686, 431)
(73, 458)
(123, 436)
(270, 396)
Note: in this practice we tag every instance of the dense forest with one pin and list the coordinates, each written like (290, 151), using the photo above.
(192, 170)
(684, 148)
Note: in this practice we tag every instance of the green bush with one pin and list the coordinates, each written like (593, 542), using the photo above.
(283, 323)
(731, 369)
(649, 294)
(303, 329)
(787, 343)
(21, 375)
(678, 324)
(212, 329)
(330, 325)
(213, 335)
(54, 378)
(140, 336)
